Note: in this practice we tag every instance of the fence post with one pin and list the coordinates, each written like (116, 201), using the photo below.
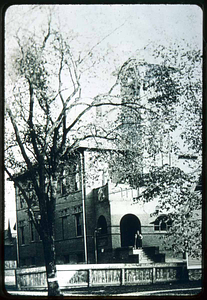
(184, 273)
(153, 274)
(89, 277)
(18, 280)
(122, 276)
(15, 277)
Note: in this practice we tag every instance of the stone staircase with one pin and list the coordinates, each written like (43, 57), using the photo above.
(143, 258)
(146, 255)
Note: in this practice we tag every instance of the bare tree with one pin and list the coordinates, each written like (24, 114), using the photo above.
(43, 115)
(46, 118)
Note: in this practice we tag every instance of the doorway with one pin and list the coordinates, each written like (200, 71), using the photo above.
(102, 225)
(129, 225)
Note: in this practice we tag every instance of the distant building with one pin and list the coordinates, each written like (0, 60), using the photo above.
(10, 247)
(10, 258)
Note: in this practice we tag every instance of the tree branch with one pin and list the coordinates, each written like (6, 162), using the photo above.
(133, 106)
(47, 35)
(23, 152)
(61, 115)
(30, 121)
(99, 42)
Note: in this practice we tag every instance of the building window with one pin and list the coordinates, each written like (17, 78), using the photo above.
(78, 224)
(66, 259)
(32, 231)
(77, 179)
(64, 227)
(39, 237)
(80, 257)
(21, 200)
(33, 261)
(162, 223)
(63, 183)
(126, 193)
(22, 237)
(22, 262)
(69, 181)
(98, 111)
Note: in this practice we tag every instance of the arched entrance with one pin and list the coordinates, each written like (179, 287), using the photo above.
(129, 225)
(102, 225)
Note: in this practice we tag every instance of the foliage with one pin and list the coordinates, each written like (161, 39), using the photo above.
(153, 139)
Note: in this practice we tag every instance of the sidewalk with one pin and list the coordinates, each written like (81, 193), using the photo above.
(184, 289)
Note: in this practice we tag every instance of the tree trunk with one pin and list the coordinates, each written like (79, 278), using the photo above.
(51, 272)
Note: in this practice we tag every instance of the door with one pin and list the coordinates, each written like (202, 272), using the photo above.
(128, 227)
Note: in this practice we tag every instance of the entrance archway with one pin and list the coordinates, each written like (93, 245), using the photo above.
(102, 225)
(129, 225)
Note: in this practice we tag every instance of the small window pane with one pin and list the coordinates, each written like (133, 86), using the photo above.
(78, 225)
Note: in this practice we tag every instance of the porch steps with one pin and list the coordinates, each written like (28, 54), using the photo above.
(143, 258)
(154, 254)
(148, 255)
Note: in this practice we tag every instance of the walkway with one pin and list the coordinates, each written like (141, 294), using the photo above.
(184, 289)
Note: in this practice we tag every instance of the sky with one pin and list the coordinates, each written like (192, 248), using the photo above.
(119, 30)
(116, 31)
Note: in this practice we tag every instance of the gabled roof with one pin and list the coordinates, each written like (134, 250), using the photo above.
(164, 217)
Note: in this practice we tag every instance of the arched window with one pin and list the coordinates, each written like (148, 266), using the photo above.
(162, 223)
(102, 225)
